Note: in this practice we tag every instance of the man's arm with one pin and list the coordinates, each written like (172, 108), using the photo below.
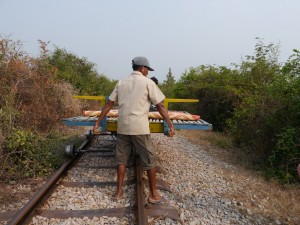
(164, 113)
(103, 113)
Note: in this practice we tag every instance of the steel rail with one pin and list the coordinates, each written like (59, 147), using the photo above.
(27, 209)
(142, 218)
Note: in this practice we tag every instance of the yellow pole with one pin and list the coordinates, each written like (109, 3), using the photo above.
(167, 100)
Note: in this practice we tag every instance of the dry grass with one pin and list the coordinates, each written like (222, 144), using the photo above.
(249, 187)
(30, 96)
(18, 193)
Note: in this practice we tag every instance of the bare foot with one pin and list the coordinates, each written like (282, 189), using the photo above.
(156, 197)
(119, 194)
(161, 200)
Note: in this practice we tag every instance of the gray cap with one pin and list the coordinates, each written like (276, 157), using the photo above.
(141, 61)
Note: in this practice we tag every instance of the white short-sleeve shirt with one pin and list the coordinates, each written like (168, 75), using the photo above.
(134, 96)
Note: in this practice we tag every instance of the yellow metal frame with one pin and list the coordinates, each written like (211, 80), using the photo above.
(168, 100)
(102, 100)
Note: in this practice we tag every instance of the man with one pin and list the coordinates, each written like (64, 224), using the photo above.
(153, 107)
(134, 96)
(154, 80)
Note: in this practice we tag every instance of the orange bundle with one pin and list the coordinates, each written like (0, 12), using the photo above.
(111, 113)
(174, 115)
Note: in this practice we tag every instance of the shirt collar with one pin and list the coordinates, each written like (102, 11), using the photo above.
(136, 73)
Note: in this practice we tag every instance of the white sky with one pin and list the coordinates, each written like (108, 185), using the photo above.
(176, 34)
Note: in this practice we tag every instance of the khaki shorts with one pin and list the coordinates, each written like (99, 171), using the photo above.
(143, 147)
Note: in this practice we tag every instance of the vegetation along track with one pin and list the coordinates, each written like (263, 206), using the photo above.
(82, 191)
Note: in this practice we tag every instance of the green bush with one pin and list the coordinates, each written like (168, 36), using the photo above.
(286, 155)
(257, 103)
(251, 124)
(217, 88)
(26, 154)
(80, 73)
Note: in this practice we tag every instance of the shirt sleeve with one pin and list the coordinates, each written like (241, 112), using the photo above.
(114, 95)
(155, 94)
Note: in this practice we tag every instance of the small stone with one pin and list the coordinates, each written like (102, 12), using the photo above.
(240, 204)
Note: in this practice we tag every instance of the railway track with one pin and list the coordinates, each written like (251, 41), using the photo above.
(82, 191)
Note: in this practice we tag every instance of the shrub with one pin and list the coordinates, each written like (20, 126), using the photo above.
(26, 154)
(217, 90)
(80, 73)
(32, 103)
(286, 155)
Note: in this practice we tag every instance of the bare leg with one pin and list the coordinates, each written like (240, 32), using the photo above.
(120, 175)
(152, 184)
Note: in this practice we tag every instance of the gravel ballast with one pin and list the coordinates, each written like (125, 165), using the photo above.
(204, 187)
(205, 190)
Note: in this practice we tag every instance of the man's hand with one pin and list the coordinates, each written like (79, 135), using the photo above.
(164, 113)
(171, 132)
(96, 130)
(103, 113)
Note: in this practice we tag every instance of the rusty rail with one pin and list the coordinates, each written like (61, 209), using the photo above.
(24, 212)
(142, 218)
(27, 209)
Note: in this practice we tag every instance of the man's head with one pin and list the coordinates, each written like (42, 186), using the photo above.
(154, 80)
(141, 64)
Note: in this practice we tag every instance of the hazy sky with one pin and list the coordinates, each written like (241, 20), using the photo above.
(176, 34)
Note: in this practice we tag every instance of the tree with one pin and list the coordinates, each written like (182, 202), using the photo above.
(217, 90)
(80, 73)
(168, 84)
